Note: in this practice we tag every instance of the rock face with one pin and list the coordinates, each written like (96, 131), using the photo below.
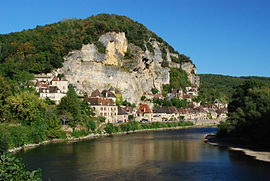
(132, 75)
(116, 46)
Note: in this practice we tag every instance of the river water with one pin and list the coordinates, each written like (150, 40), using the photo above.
(157, 155)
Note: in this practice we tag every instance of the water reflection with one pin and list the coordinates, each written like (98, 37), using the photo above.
(163, 155)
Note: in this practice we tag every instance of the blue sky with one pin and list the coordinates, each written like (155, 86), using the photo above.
(230, 37)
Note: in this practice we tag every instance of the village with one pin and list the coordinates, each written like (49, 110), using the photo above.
(109, 103)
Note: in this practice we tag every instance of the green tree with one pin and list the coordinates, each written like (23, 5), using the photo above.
(26, 107)
(70, 107)
(109, 128)
(5, 91)
(250, 104)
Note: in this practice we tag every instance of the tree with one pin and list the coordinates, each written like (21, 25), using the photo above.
(5, 91)
(26, 107)
(71, 105)
(247, 110)
(109, 128)
(91, 124)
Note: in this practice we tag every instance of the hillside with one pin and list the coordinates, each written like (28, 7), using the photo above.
(97, 53)
(42, 49)
(221, 86)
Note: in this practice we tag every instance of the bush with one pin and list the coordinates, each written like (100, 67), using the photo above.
(109, 128)
(11, 168)
(143, 98)
(79, 133)
(90, 124)
(154, 90)
(39, 131)
(3, 143)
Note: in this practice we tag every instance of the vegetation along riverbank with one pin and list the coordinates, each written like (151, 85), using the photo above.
(247, 126)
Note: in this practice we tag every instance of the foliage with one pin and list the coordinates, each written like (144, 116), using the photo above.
(26, 107)
(79, 133)
(154, 90)
(126, 103)
(222, 87)
(11, 168)
(101, 119)
(178, 103)
(91, 125)
(70, 107)
(248, 110)
(42, 49)
(130, 117)
(180, 59)
(109, 128)
(178, 79)
(143, 98)
(134, 125)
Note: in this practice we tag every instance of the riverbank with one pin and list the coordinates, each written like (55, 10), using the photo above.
(92, 136)
(258, 153)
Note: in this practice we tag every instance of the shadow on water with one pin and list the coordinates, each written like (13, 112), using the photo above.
(156, 155)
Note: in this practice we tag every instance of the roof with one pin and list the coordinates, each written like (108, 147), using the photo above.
(95, 93)
(55, 79)
(167, 110)
(99, 101)
(144, 108)
(158, 95)
(106, 93)
(50, 89)
(63, 79)
(53, 89)
(122, 111)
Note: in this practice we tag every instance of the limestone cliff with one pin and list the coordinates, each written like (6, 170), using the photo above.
(124, 66)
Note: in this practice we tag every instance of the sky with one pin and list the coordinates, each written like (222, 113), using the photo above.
(229, 37)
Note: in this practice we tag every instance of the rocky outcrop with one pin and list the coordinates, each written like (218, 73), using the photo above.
(191, 70)
(116, 46)
(123, 66)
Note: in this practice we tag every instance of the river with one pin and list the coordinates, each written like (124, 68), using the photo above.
(156, 155)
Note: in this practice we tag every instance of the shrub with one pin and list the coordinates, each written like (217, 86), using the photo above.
(109, 128)
(79, 133)
(11, 168)
(91, 124)
(154, 90)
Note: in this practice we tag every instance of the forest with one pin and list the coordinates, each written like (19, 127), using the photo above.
(249, 114)
(222, 86)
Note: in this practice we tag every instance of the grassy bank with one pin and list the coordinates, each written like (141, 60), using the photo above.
(15, 138)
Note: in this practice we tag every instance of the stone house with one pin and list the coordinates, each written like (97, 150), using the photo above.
(165, 114)
(62, 84)
(193, 90)
(51, 92)
(104, 107)
(51, 87)
(44, 78)
(143, 113)
(122, 116)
